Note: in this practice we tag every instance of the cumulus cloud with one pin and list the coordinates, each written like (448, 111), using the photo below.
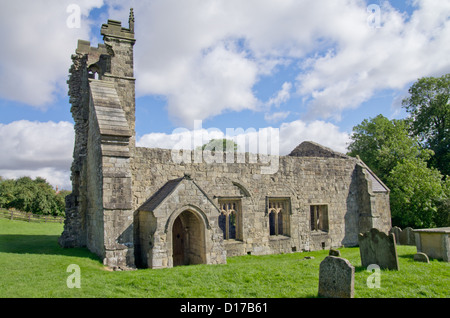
(276, 117)
(282, 96)
(37, 43)
(291, 134)
(397, 52)
(324, 133)
(37, 149)
(341, 58)
(206, 57)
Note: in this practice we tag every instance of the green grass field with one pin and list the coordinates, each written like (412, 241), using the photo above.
(32, 264)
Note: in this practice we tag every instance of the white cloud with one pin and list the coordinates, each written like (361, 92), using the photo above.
(36, 48)
(282, 96)
(37, 149)
(295, 132)
(221, 79)
(291, 134)
(207, 56)
(389, 57)
(276, 117)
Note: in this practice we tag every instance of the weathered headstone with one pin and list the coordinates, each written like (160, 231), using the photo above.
(407, 237)
(336, 278)
(376, 247)
(421, 257)
(403, 237)
(396, 230)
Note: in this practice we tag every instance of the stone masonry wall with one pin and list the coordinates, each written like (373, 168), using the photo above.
(306, 181)
(74, 234)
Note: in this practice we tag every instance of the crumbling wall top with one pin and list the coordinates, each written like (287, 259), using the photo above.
(114, 29)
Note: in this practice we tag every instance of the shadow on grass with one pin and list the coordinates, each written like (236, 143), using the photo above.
(40, 244)
(407, 256)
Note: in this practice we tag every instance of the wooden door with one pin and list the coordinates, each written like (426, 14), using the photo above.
(178, 243)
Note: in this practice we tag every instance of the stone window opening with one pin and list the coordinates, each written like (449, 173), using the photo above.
(93, 72)
(230, 219)
(278, 211)
(319, 218)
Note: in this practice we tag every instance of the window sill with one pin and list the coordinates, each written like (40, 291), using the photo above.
(232, 241)
(279, 237)
(319, 232)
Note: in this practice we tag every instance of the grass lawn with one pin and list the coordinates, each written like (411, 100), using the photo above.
(32, 264)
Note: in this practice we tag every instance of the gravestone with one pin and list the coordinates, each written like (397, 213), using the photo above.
(396, 230)
(403, 237)
(336, 278)
(407, 237)
(421, 257)
(376, 247)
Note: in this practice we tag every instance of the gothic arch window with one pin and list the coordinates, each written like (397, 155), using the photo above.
(278, 210)
(230, 219)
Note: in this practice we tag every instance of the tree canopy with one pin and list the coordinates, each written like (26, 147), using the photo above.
(428, 105)
(36, 196)
(382, 143)
(220, 145)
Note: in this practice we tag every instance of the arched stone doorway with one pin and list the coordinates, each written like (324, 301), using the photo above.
(188, 239)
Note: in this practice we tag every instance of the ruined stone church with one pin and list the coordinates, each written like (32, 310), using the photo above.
(136, 207)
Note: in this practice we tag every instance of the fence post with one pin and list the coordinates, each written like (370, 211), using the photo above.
(12, 215)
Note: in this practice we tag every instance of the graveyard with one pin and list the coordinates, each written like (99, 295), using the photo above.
(32, 264)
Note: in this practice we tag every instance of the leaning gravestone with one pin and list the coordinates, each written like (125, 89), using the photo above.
(397, 231)
(336, 278)
(376, 247)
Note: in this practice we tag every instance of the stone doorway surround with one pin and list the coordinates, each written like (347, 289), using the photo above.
(188, 239)
(178, 225)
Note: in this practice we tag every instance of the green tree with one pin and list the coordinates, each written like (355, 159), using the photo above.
(382, 143)
(416, 192)
(6, 192)
(44, 198)
(220, 145)
(429, 107)
(36, 196)
(24, 194)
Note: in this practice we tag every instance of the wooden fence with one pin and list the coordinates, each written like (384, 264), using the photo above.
(30, 217)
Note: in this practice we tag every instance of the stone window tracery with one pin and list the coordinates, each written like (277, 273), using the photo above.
(278, 211)
(230, 218)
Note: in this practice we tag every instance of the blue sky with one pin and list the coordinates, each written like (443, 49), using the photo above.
(313, 69)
